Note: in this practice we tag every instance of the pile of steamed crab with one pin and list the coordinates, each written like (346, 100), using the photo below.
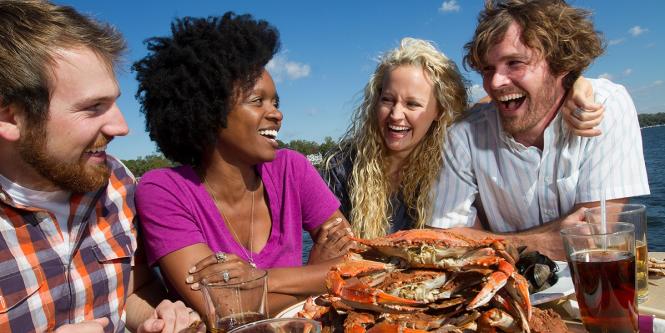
(425, 280)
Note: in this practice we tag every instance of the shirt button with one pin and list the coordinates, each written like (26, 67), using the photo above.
(548, 179)
(3, 196)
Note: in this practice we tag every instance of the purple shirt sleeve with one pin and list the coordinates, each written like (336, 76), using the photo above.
(165, 220)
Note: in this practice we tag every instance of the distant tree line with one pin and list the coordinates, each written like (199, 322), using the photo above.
(313, 150)
(651, 119)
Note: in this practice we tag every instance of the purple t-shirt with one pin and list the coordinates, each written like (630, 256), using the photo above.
(176, 211)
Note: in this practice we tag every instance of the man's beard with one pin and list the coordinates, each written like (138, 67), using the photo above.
(71, 176)
(538, 107)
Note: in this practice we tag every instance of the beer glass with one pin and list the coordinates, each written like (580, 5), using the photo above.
(635, 214)
(602, 265)
(234, 303)
(281, 325)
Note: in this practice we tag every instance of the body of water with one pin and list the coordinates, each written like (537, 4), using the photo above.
(653, 141)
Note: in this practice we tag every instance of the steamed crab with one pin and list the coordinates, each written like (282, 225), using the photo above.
(456, 283)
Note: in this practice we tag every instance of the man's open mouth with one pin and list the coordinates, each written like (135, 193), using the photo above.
(511, 102)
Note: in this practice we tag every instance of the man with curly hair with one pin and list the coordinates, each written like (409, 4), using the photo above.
(67, 235)
(510, 165)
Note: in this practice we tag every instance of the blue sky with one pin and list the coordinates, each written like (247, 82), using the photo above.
(330, 48)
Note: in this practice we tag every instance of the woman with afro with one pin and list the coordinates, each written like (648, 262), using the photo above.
(236, 203)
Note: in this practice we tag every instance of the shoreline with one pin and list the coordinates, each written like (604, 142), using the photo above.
(650, 126)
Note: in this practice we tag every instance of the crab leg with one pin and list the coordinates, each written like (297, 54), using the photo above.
(363, 293)
(495, 281)
(355, 322)
(385, 327)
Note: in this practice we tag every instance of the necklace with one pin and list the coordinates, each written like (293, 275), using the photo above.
(250, 259)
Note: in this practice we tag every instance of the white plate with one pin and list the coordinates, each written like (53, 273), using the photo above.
(562, 288)
(291, 311)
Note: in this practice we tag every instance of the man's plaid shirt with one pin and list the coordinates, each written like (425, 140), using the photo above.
(41, 287)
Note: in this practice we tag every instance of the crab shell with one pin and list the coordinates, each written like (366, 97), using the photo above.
(434, 248)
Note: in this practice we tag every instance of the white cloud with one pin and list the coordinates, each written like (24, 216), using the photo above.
(657, 83)
(616, 41)
(476, 92)
(449, 6)
(605, 76)
(627, 71)
(637, 30)
(282, 69)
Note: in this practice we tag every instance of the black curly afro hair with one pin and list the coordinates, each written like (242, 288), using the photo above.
(188, 81)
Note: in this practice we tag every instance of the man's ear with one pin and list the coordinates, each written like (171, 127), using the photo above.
(10, 121)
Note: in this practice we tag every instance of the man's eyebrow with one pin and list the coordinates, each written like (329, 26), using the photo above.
(94, 100)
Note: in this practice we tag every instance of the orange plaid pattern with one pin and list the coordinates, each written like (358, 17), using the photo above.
(41, 286)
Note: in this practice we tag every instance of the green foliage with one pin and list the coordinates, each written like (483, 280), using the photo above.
(144, 164)
(304, 147)
(327, 145)
(651, 119)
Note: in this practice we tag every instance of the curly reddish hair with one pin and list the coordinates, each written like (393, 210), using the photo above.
(564, 36)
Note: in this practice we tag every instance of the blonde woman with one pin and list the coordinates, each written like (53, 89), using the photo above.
(390, 157)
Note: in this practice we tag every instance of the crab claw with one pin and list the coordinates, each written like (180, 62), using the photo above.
(495, 282)
(311, 310)
(497, 318)
(518, 288)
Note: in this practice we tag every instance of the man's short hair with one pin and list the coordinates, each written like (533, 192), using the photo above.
(31, 32)
(564, 36)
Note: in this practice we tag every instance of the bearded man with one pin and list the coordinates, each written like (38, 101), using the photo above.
(67, 251)
(511, 166)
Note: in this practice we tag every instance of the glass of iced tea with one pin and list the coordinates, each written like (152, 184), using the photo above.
(235, 302)
(602, 263)
(635, 214)
(281, 325)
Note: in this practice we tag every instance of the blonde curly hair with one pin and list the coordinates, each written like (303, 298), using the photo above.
(369, 186)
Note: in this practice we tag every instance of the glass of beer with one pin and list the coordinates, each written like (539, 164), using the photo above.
(236, 302)
(635, 214)
(281, 325)
(602, 263)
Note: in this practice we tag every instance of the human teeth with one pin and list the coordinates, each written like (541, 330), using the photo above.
(96, 150)
(270, 133)
(509, 97)
(398, 128)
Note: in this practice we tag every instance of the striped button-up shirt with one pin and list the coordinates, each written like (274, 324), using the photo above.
(519, 187)
(41, 287)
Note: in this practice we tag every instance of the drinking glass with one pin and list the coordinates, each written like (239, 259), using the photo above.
(602, 264)
(234, 303)
(281, 325)
(635, 214)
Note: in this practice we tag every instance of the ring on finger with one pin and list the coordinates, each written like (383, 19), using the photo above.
(578, 113)
(226, 276)
(220, 257)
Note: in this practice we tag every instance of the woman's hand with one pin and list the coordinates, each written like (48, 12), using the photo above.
(218, 267)
(333, 239)
(580, 110)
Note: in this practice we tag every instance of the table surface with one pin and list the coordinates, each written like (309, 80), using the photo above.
(655, 304)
